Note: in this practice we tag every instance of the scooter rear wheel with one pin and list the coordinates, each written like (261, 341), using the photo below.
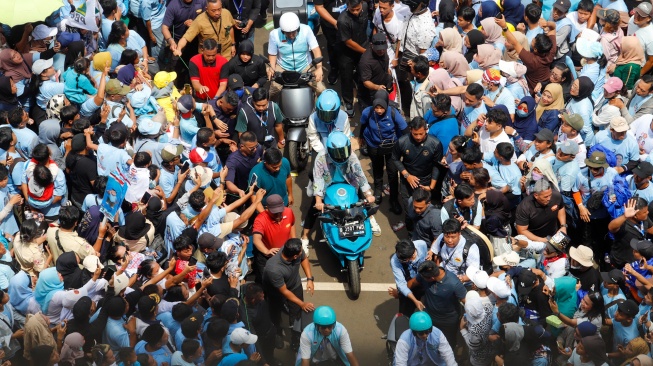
(354, 275)
(298, 155)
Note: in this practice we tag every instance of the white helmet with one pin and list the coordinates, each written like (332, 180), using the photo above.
(289, 22)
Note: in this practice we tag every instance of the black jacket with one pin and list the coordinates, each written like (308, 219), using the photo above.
(253, 72)
(421, 160)
(250, 9)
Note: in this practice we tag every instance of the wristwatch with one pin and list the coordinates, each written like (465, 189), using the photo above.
(406, 175)
(505, 29)
(564, 225)
(310, 279)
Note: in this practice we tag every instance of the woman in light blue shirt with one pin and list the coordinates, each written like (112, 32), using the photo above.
(594, 65)
(582, 103)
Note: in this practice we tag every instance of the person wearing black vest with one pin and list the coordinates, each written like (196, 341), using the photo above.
(464, 207)
(404, 263)
(262, 117)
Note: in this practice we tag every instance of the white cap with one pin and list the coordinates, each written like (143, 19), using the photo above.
(604, 116)
(91, 263)
(506, 259)
(498, 287)
(478, 276)
(242, 336)
(41, 65)
(474, 310)
(42, 31)
(120, 283)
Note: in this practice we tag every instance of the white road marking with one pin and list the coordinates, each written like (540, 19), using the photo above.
(337, 286)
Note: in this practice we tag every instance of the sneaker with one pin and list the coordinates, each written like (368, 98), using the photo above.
(349, 108)
(305, 246)
(376, 229)
(398, 226)
(386, 189)
(332, 78)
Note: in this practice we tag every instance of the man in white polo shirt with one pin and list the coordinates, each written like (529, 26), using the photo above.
(640, 27)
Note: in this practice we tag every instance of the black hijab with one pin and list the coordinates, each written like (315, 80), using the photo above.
(81, 316)
(246, 46)
(135, 228)
(476, 38)
(585, 89)
(68, 266)
(497, 213)
(6, 96)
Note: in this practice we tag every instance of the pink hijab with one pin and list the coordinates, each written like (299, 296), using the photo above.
(16, 72)
(493, 32)
(451, 40)
(443, 81)
(487, 56)
(455, 63)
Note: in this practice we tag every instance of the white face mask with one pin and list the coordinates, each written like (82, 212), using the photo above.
(574, 267)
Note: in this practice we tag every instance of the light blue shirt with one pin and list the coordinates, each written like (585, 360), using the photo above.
(398, 270)
(506, 98)
(26, 140)
(511, 175)
(168, 181)
(583, 107)
(160, 356)
(212, 223)
(469, 115)
(94, 200)
(626, 150)
(597, 184)
(8, 225)
(174, 228)
(60, 189)
(646, 193)
(48, 90)
(623, 335)
(637, 101)
(154, 11)
(516, 90)
(567, 175)
(110, 158)
(495, 178)
(188, 126)
(532, 33)
(607, 299)
(597, 75)
(295, 55)
(618, 5)
(115, 335)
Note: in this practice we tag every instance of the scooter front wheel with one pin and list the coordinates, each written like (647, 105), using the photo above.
(354, 279)
(298, 155)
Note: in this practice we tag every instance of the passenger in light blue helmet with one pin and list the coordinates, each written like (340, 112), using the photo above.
(325, 340)
(328, 117)
(423, 344)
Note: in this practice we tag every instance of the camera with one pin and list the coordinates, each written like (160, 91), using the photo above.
(242, 24)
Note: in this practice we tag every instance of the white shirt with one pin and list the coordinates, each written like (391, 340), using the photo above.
(393, 28)
(489, 144)
(641, 129)
(645, 35)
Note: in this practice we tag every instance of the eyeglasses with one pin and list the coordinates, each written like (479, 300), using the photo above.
(326, 327)
(595, 169)
(423, 332)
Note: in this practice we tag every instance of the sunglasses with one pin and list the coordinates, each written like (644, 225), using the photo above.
(423, 332)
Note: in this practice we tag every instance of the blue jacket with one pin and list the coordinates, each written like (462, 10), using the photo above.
(315, 337)
(550, 120)
(443, 129)
(388, 127)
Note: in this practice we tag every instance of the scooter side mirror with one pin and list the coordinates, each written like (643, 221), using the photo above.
(372, 210)
(328, 220)
(317, 61)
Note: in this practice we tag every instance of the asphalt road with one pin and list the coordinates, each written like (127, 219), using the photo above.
(367, 319)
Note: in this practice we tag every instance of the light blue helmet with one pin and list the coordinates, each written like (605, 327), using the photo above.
(324, 316)
(328, 106)
(420, 321)
(339, 147)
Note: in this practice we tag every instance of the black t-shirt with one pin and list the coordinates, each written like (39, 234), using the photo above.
(541, 220)
(621, 252)
(83, 171)
(590, 280)
(375, 69)
(354, 28)
(330, 5)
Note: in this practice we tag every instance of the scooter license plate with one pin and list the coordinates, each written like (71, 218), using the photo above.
(350, 230)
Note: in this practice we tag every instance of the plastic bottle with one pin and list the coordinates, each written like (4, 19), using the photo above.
(606, 258)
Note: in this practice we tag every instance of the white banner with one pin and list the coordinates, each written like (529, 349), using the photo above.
(84, 16)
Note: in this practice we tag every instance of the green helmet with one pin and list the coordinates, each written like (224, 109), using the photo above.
(324, 315)
(420, 321)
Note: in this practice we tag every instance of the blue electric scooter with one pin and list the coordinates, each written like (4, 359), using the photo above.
(346, 227)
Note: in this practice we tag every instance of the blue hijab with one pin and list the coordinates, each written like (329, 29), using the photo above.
(488, 9)
(513, 10)
(48, 284)
(527, 126)
(20, 292)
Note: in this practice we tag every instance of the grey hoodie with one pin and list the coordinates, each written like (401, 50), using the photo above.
(49, 131)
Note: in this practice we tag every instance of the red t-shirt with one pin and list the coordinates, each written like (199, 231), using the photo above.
(275, 234)
(207, 75)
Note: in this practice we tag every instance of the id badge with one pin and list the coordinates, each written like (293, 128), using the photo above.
(339, 9)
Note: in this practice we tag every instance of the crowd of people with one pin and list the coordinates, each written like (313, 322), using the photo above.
(148, 218)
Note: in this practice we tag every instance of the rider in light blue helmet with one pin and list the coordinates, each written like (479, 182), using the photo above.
(411, 345)
(325, 340)
(338, 147)
(328, 117)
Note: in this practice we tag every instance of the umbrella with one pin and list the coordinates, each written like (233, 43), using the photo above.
(16, 12)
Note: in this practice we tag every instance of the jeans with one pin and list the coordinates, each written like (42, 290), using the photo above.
(379, 159)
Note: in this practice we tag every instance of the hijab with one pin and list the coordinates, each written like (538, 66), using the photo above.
(513, 11)
(443, 81)
(6, 95)
(100, 60)
(489, 9)
(135, 228)
(472, 76)
(523, 41)
(72, 348)
(497, 212)
(451, 40)
(545, 168)
(514, 333)
(447, 13)
(16, 71)
(455, 63)
(68, 266)
(488, 56)
(20, 292)
(558, 100)
(47, 285)
(585, 89)
(638, 346)
(81, 316)
(631, 51)
(476, 38)
(246, 46)
(37, 333)
(566, 296)
(526, 126)
(493, 31)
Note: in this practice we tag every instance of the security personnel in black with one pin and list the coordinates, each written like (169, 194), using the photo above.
(416, 157)
(329, 11)
(353, 41)
(245, 13)
(225, 106)
(262, 117)
(373, 70)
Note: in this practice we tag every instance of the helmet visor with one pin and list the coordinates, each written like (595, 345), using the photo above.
(327, 116)
(339, 154)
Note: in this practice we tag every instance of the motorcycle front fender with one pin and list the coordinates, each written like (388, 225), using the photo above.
(296, 134)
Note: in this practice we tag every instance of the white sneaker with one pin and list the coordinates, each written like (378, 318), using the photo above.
(305, 246)
(376, 229)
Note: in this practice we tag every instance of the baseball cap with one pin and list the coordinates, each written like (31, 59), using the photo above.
(589, 49)
(66, 38)
(477, 276)
(275, 203)
(619, 124)
(644, 9)
(42, 31)
(199, 155)
(163, 78)
(91, 263)
(628, 308)
(242, 336)
(148, 127)
(185, 103)
(209, 241)
(205, 174)
(170, 152)
(562, 5)
(644, 247)
(609, 15)
(428, 269)
(597, 160)
(41, 65)
(506, 259)
(569, 147)
(527, 280)
(544, 135)
(498, 287)
(604, 115)
(574, 120)
(474, 310)
(379, 42)
(120, 283)
(229, 310)
(115, 87)
(231, 217)
(193, 323)
(583, 255)
(643, 170)
(614, 276)
(590, 35)
(78, 142)
(613, 85)
(235, 82)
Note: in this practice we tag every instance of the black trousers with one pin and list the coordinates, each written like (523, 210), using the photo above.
(347, 63)
(379, 159)
(405, 89)
(276, 301)
(450, 332)
(406, 305)
(331, 35)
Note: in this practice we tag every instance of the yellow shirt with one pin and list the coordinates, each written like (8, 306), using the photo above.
(206, 28)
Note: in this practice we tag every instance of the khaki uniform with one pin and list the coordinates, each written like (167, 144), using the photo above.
(204, 27)
(70, 242)
(30, 256)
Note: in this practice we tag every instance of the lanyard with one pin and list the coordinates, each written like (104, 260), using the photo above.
(239, 8)
(471, 211)
(217, 34)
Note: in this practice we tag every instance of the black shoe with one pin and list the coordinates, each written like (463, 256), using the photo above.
(278, 342)
(349, 108)
(364, 151)
(332, 78)
(395, 208)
